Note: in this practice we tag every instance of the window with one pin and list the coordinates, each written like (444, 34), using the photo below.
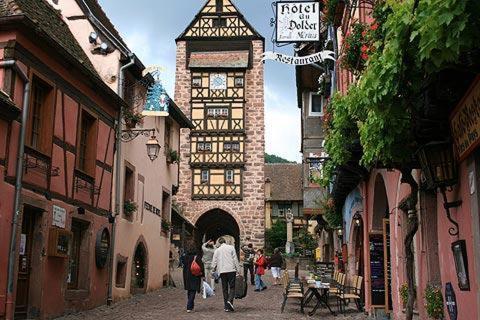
(38, 127)
(76, 254)
(87, 143)
(238, 82)
(219, 23)
(316, 105)
(121, 274)
(129, 185)
(231, 147)
(197, 82)
(217, 112)
(283, 209)
(229, 176)
(166, 206)
(204, 146)
(205, 176)
(168, 127)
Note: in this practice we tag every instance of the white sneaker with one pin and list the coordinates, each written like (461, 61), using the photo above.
(231, 306)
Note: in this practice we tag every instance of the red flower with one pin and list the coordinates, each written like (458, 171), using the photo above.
(364, 48)
(364, 33)
(374, 26)
(364, 56)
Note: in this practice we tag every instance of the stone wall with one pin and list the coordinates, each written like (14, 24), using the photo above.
(248, 213)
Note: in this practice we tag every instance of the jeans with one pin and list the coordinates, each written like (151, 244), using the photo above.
(191, 299)
(246, 268)
(259, 284)
(208, 275)
(228, 287)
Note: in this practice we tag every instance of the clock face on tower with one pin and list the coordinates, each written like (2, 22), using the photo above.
(218, 81)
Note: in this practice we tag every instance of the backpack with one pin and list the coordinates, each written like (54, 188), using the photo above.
(195, 268)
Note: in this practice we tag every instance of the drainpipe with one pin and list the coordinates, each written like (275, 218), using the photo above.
(12, 258)
(118, 167)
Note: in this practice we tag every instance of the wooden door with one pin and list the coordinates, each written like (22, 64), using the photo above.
(24, 264)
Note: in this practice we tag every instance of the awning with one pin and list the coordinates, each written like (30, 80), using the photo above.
(223, 59)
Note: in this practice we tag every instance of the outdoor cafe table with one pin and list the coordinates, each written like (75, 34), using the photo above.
(320, 292)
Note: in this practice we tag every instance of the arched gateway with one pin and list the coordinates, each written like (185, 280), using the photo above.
(217, 223)
(219, 83)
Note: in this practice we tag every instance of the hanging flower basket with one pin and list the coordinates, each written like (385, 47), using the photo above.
(357, 49)
(132, 118)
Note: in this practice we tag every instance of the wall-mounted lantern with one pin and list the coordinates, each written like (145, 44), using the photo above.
(340, 233)
(153, 146)
(357, 218)
(439, 168)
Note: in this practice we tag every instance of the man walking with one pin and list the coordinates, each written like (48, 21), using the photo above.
(249, 253)
(225, 263)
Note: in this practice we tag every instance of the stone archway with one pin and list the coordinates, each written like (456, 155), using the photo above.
(139, 278)
(216, 223)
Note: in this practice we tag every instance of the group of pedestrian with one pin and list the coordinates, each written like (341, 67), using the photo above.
(220, 261)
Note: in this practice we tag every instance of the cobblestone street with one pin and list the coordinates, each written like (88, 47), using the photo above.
(169, 303)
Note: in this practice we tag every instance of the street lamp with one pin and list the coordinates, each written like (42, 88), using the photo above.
(153, 147)
(340, 233)
(439, 168)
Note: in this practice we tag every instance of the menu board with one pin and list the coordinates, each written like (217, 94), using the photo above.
(377, 270)
(388, 263)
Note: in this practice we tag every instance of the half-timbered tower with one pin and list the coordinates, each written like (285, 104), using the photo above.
(219, 83)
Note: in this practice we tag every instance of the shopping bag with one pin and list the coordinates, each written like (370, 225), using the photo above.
(207, 291)
(240, 287)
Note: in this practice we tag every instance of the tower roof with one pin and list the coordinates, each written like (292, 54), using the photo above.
(219, 19)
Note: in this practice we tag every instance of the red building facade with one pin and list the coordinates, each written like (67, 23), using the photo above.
(376, 228)
(62, 228)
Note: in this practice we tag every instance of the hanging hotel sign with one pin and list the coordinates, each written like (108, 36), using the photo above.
(451, 301)
(298, 21)
(465, 122)
(299, 61)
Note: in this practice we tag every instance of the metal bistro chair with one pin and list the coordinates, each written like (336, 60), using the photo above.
(338, 290)
(292, 291)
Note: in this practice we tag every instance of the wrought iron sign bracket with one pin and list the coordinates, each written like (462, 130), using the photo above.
(453, 231)
(129, 135)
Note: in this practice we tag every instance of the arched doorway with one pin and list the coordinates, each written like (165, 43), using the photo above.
(216, 223)
(380, 258)
(139, 269)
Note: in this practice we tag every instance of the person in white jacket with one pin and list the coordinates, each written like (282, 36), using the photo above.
(208, 249)
(225, 263)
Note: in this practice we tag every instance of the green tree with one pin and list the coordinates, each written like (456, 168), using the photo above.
(276, 236)
(271, 158)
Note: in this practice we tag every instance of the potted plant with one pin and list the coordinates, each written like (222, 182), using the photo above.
(129, 207)
(434, 302)
(165, 225)
(132, 117)
(173, 156)
(404, 294)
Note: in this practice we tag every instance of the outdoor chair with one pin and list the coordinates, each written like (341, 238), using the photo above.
(347, 293)
(292, 291)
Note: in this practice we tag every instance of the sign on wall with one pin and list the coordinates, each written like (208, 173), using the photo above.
(451, 301)
(59, 216)
(298, 21)
(465, 122)
(299, 61)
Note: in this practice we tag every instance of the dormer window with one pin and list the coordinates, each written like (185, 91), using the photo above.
(219, 22)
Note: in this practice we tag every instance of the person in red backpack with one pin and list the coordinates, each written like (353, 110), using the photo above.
(193, 273)
(260, 265)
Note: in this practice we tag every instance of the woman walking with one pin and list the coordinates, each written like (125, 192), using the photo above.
(260, 265)
(275, 263)
(193, 273)
(208, 249)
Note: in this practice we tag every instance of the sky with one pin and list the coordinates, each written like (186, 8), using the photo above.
(150, 27)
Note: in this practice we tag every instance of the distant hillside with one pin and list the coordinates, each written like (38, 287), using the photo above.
(271, 158)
